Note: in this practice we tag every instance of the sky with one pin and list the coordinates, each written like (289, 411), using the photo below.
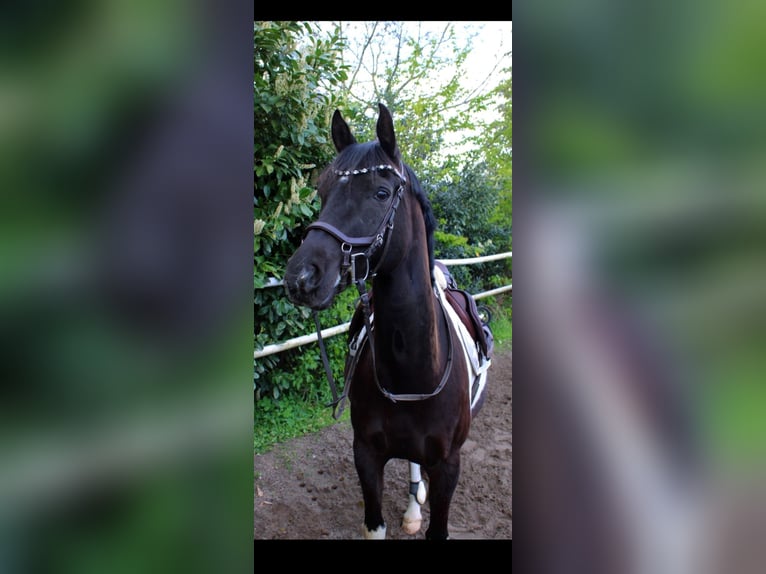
(489, 46)
(492, 40)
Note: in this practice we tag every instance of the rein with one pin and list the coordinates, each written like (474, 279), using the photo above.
(350, 264)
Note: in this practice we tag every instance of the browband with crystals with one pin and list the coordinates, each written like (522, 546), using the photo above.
(382, 167)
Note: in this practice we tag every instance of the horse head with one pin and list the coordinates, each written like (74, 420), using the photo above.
(362, 193)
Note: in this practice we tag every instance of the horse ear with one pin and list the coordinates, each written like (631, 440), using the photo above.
(341, 133)
(385, 129)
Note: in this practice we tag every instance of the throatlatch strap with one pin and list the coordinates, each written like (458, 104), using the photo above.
(338, 403)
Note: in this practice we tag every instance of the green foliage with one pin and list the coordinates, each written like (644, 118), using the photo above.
(464, 207)
(498, 152)
(419, 77)
(501, 307)
(295, 82)
(276, 421)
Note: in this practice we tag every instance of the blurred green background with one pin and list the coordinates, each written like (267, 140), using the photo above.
(125, 286)
(649, 125)
(641, 140)
(125, 277)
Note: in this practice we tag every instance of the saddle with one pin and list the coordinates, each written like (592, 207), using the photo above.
(461, 301)
(465, 306)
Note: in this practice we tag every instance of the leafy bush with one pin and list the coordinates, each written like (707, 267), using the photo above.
(465, 208)
(295, 82)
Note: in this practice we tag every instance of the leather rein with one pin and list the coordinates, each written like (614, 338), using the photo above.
(351, 264)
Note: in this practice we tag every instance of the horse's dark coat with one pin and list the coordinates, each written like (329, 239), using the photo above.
(411, 334)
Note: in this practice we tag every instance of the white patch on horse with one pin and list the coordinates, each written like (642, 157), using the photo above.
(412, 517)
(378, 534)
(476, 364)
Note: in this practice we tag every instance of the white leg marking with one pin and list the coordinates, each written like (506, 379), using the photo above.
(378, 534)
(412, 517)
(415, 477)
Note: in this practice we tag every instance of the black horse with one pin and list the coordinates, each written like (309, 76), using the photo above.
(414, 377)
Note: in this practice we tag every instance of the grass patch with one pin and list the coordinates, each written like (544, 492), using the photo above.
(501, 324)
(290, 417)
(502, 330)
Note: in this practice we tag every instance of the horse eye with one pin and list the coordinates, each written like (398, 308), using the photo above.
(381, 194)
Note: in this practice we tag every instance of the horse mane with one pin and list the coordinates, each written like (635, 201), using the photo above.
(371, 153)
(428, 214)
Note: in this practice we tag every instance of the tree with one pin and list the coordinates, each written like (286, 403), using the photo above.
(499, 151)
(419, 71)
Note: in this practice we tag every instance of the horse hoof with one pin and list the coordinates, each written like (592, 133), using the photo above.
(378, 534)
(411, 525)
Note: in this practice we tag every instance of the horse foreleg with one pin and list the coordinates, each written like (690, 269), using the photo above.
(443, 478)
(412, 518)
(369, 468)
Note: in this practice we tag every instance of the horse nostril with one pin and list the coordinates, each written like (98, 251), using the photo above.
(307, 278)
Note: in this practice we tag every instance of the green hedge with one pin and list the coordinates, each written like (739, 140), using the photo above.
(295, 81)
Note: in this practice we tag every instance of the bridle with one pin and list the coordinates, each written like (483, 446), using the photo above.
(349, 264)
(370, 243)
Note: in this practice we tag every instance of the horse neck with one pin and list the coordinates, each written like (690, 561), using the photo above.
(410, 335)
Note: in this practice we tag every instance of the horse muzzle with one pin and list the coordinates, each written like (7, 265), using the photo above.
(308, 285)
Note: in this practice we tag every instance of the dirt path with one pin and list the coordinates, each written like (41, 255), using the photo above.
(307, 488)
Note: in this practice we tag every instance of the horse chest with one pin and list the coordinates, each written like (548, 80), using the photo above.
(398, 345)
(401, 432)
(423, 449)
(407, 358)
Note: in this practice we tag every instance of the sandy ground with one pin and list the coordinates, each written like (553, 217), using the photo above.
(307, 488)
